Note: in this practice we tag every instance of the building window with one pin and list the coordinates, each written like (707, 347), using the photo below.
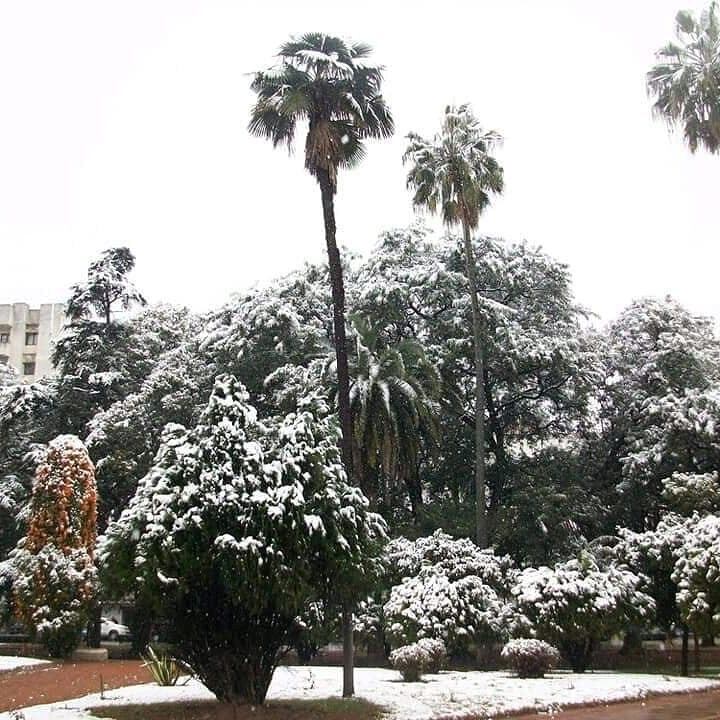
(31, 338)
(4, 338)
(29, 367)
(4, 359)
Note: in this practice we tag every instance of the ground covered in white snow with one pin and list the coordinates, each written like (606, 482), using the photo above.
(450, 694)
(8, 662)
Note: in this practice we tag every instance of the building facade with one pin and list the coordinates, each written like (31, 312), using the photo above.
(26, 336)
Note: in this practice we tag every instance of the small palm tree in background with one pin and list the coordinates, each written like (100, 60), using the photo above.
(329, 84)
(394, 399)
(686, 81)
(455, 174)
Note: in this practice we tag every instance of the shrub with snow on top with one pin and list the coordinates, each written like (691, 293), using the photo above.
(437, 654)
(411, 661)
(530, 658)
(577, 603)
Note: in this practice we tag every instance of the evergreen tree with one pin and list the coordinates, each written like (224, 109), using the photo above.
(253, 523)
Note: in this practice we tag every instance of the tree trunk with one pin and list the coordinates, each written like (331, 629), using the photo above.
(696, 651)
(327, 191)
(94, 626)
(684, 665)
(481, 533)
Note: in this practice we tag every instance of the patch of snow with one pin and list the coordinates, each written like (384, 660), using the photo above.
(8, 662)
(447, 695)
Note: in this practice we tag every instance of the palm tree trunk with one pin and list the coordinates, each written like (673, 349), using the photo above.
(481, 532)
(327, 191)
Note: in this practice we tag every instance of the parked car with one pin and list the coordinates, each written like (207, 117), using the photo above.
(114, 631)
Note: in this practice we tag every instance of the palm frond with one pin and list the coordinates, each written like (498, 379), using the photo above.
(685, 84)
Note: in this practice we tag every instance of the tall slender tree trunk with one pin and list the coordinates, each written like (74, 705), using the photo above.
(481, 531)
(684, 669)
(327, 191)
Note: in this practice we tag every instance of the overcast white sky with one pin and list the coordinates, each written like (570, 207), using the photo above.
(125, 123)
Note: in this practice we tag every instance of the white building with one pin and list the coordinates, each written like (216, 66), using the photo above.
(26, 336)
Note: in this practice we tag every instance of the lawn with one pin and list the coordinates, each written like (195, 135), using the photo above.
(325, 709)
(301, 693)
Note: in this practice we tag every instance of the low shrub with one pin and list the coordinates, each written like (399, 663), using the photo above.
(410, 661)
(437, 654)
(164, 669)
(530, 658)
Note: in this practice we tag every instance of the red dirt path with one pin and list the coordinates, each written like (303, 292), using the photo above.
(40, 684)
(691, 706)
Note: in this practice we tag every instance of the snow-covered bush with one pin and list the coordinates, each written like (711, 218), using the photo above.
(462, 613)
(437, 654)
(53, 573)
(52, 593)
(449, 590)
(577, 603)
(456, 558)
(410, 661)
(530, 658)
(236, 529)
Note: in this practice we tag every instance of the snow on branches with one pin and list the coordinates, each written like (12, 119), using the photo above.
(575, 604)
(53, 572)
(237, 528)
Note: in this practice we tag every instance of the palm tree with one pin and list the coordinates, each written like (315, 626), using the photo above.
(686, 81)
(394, 400)
(328, 83)
(455, 174)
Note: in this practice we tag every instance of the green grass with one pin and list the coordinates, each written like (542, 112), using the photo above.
(326, 709)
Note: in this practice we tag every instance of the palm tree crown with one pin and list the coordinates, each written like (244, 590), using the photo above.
(686, 81)
(394, 400)
(327, 82)
(454, 172)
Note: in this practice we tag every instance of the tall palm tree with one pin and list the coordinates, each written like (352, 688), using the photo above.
(394, 400)
(328, 83)
(686, 81)
(455, 174)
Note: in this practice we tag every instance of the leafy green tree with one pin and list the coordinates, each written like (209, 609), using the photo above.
(686, 81)
(455, 174)
(330, 84)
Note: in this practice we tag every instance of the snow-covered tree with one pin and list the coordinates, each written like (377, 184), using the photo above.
(286, 323)
(52, 567)
(688, 493)
(577, 603)
(697, 574)
(27, 422)
(660, 405)
(464, 613)
(236, 529)
(107, 288)
(539, 360)
(442, 588)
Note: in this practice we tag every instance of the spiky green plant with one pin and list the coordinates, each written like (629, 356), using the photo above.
(456, 175)
(164, 669)
(686, 81)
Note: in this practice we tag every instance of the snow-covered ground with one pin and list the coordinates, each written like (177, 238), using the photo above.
(450, 694)
(9, 662)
